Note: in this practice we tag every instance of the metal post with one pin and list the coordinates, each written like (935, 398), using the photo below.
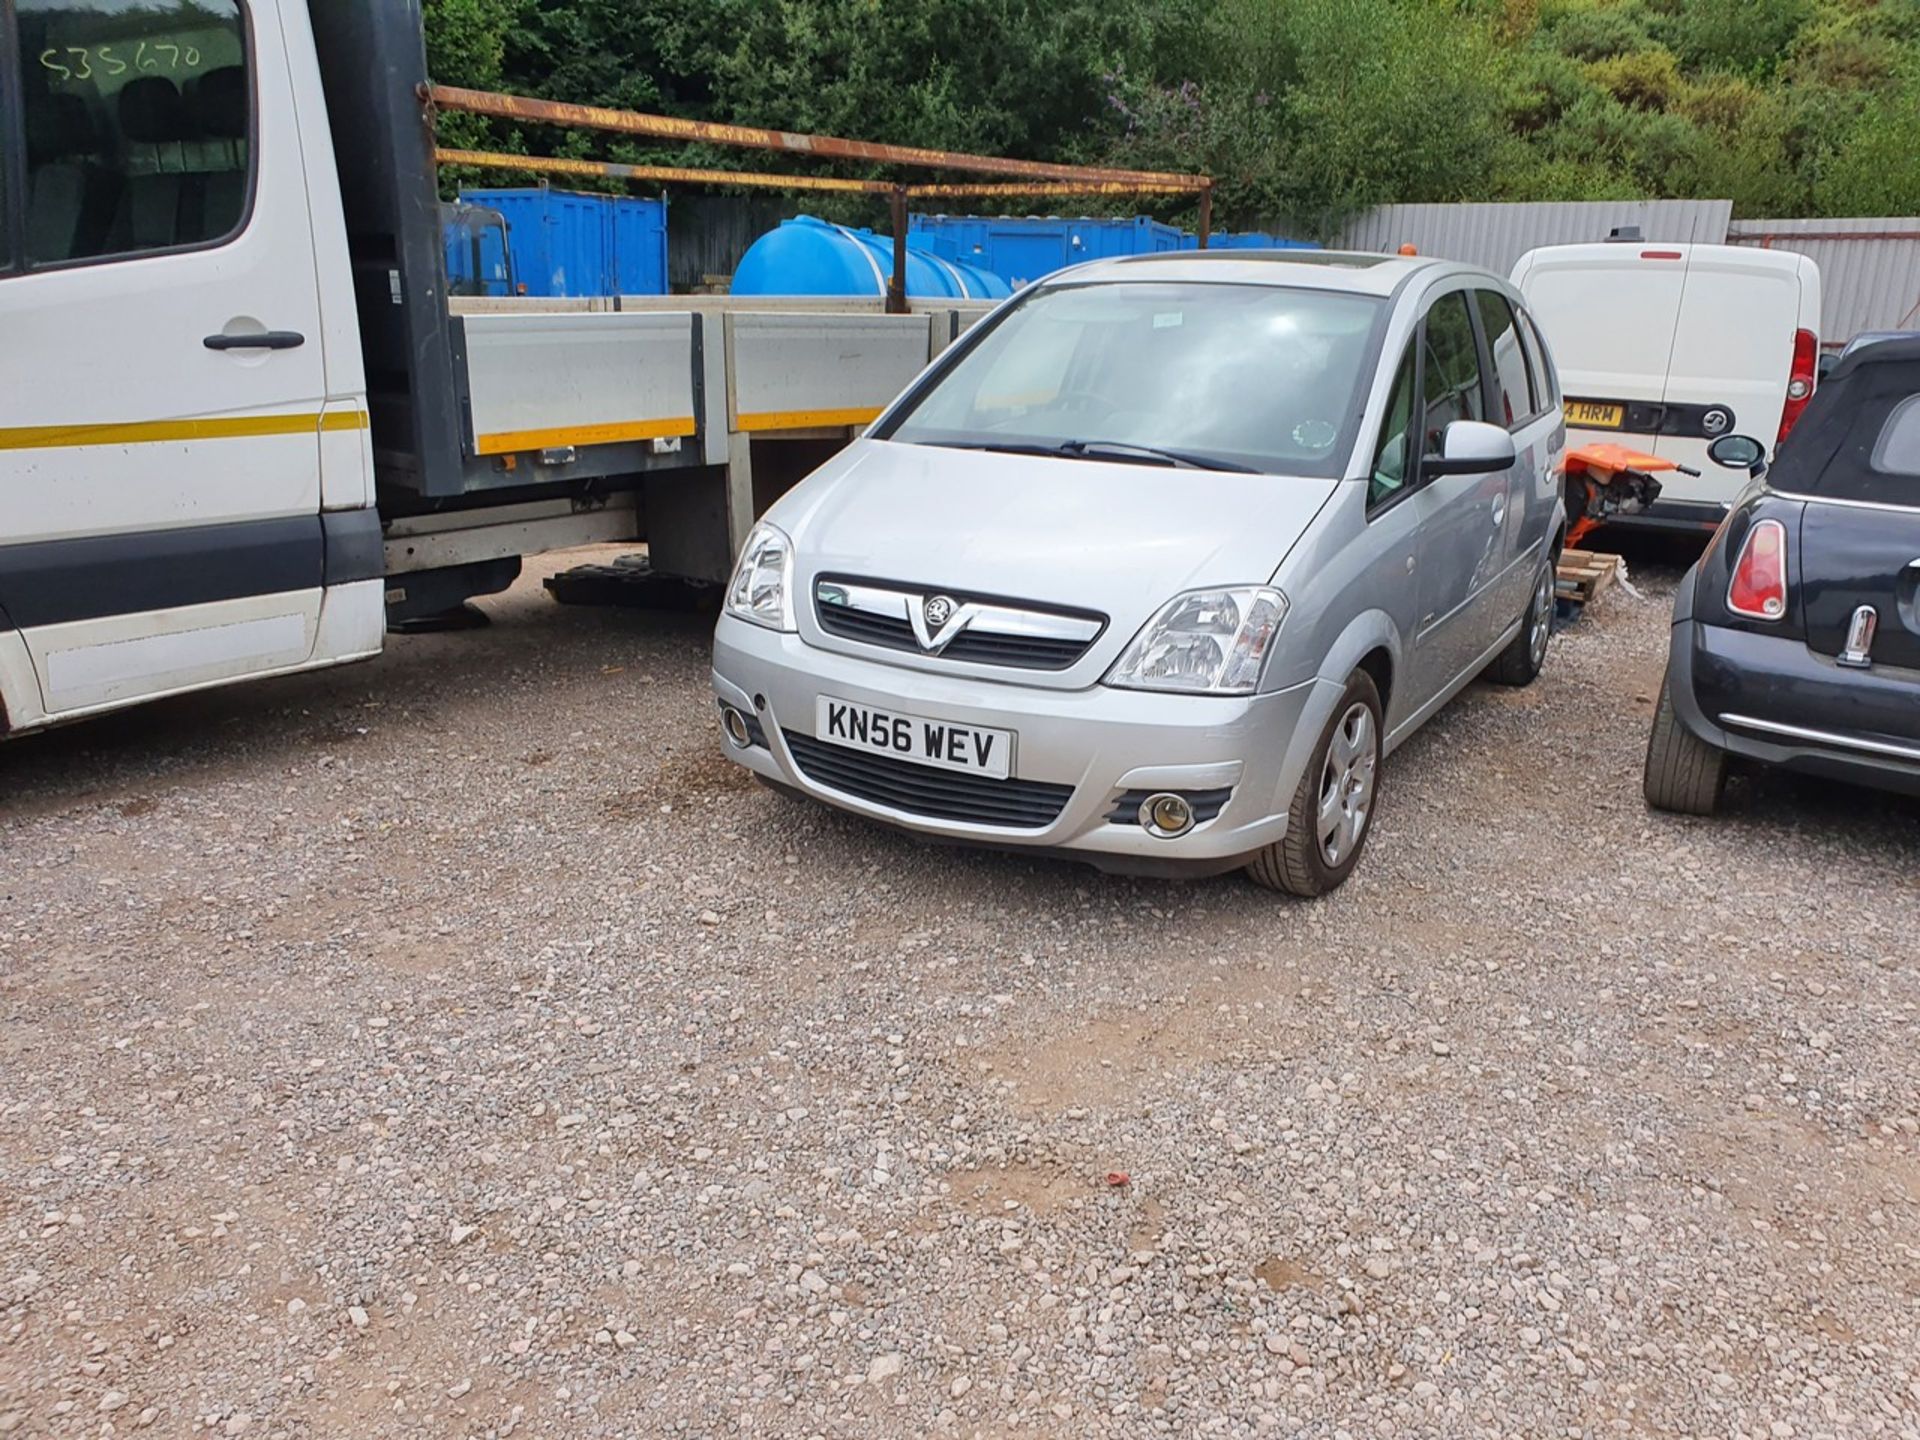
(1206, 216)
(897, 287)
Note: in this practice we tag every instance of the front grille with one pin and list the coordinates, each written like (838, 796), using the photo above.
(1002, 633)
(1205, 803)
(925, 790)
(1027, 652)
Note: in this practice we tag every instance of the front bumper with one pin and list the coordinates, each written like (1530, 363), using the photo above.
(1769, 699)
(1101, 742)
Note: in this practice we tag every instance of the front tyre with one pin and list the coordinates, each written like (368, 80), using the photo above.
(1684, 774)
(1332, 810)
(1520, 663)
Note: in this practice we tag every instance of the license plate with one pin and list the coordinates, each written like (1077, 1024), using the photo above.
(941, 743)
(1596, 416)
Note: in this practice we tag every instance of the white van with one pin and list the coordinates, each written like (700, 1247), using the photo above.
(1666, 347)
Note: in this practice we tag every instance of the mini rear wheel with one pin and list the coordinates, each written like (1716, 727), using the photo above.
(1684, 774)
(1332, 810)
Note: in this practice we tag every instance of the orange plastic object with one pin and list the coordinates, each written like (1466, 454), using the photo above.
(1606, 456)
(1596, 465)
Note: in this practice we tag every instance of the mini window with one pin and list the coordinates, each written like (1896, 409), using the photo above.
(1897, 451)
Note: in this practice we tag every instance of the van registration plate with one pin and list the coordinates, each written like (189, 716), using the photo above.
(972, 748)
(1596, 416)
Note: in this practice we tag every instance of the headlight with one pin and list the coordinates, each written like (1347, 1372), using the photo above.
(762, 586)
(1213, 642)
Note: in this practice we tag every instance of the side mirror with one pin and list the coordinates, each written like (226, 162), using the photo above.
(1471, 447)
(1739, 452)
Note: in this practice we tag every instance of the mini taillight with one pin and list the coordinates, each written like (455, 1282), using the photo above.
(1800, 382)
(1759, 587)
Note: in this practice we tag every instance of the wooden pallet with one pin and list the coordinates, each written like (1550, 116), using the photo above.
(1584, 574)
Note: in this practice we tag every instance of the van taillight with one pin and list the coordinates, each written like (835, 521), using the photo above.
(1806, 365)
(1759, 587)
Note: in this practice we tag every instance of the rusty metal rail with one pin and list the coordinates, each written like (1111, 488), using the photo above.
(751, 137)
(613, 170)
(1034, 177)
(1059, 188)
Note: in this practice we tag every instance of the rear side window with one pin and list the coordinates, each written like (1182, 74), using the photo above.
(1514, 394)
(1547, 377)
(138, 126)
(1453, 387)
(1897, 451)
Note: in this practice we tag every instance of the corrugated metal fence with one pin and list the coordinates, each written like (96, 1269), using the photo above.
(1869, 268)
(1494, 235)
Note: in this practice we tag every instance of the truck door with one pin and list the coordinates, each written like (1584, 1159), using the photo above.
(162, 382)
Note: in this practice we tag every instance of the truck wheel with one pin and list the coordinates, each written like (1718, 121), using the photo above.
(1684, 774)
(1332, 810)
(1520, 663)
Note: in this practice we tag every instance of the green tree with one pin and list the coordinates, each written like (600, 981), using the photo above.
(1312, 110)
(1876, 168)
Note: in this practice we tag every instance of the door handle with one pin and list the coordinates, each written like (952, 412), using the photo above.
(260, 340)
(1499, 511)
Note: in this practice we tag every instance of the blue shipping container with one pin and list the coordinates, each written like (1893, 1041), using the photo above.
(565, 242)
(1022, 249)
(1246, 240)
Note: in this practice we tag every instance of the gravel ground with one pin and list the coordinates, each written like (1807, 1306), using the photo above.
(458, 1045)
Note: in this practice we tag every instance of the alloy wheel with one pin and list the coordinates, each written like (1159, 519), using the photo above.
(1542, 629)
(1346, 785)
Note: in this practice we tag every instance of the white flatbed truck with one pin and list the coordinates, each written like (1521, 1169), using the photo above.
(242, 428)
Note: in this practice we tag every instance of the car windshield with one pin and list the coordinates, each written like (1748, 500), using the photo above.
(1235, 377)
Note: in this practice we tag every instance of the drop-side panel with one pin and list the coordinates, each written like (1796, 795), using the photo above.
(800, 372)
(538, 382)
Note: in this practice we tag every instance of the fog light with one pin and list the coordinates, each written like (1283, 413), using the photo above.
(1166, 816)
(735, 724)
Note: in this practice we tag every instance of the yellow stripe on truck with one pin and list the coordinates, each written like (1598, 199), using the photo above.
(806, 419)
(161, 432)
(506, 441)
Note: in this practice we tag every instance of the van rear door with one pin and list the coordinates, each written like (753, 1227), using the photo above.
(1733, 352)
(1609, 313)
(162, 376)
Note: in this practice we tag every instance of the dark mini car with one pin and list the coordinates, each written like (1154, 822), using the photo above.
(1796, 638)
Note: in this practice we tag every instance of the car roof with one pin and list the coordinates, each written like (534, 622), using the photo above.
(1353, 272)
(1876, 337)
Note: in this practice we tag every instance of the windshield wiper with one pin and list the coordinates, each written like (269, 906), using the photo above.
(1120, 450)
(1150, 455)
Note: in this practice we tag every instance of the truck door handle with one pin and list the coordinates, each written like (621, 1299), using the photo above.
(262, 340)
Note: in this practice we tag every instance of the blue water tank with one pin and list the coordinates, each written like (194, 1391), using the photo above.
(565, 242)
(807, 256)
(1024, 248)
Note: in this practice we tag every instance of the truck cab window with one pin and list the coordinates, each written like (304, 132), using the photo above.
(138, 126)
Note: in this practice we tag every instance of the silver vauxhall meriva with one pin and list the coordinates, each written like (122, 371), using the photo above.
(1157, 565)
